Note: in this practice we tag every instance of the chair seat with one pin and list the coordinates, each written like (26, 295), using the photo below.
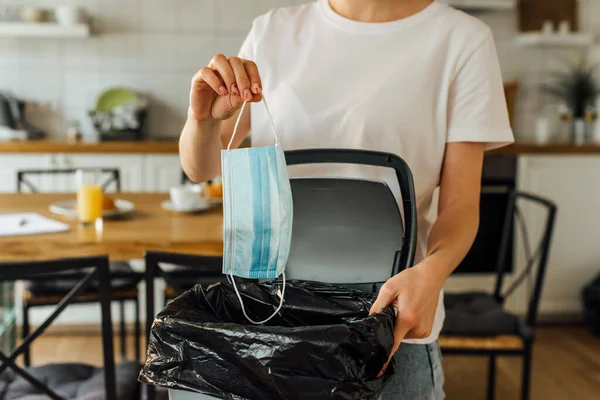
(62, 287)
(71, 381)
(477, 315)
(506, 342)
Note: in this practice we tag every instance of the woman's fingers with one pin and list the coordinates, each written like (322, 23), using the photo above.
(223, 67)
(255, 81)
(386, 296)
(401, 329)
(213, 80)
(241, 77)
(234, 79)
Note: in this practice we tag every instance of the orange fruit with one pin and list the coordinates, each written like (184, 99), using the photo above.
(108, 203)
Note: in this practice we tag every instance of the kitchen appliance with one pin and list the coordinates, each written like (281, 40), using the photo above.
(13, 125)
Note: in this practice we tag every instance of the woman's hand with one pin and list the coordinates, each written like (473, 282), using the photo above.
(219, 89)
(414, 292)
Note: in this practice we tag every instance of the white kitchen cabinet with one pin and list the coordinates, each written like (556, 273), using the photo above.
(129, 165)
(11, 163)
(573, 183)
(161, 172)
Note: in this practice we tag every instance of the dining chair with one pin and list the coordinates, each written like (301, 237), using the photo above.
(205, 270)
(50, 292)
(109, 177)
(184, 178)
(478, 325)
(181, 272)
(68, 380)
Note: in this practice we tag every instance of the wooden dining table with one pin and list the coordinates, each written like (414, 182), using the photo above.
(148, 227)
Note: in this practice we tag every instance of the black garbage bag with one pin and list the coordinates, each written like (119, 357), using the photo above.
(321, 345)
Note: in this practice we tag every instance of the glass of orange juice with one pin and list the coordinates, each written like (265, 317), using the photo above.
(89, 196)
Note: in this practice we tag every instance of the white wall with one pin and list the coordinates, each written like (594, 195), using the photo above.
(155, 46)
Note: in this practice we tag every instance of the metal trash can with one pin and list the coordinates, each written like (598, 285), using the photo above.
(347, 230)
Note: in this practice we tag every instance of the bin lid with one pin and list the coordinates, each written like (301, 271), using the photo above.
(344, 231)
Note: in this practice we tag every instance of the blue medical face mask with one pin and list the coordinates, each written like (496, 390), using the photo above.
(258, 212)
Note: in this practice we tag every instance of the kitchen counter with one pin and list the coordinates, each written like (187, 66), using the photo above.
(52, 146)
(549, 149)
(172, 147)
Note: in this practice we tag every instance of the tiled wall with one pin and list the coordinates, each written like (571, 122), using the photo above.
(155, 46)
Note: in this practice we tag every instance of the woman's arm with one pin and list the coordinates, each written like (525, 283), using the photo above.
(200, 144)
(415, 291)
(454, 232)
(216, 96)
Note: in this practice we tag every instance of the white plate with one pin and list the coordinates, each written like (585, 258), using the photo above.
(200, 206)
(67, 208)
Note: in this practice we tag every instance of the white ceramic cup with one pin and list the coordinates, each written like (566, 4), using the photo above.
(184, 198)
(69, 15)
(542, 132)
(564, 27)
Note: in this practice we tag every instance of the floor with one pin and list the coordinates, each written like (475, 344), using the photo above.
(566, 365)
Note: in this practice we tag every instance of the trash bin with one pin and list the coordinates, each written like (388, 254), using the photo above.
(321, 341)
(346, 231)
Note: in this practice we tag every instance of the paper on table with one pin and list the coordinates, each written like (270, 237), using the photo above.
(29, 224)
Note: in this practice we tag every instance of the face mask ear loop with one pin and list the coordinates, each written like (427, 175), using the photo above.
(239, 118)
(244, 309)
(237, 124)
(271, 121)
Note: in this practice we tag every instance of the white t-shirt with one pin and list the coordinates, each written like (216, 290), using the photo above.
(407, 87)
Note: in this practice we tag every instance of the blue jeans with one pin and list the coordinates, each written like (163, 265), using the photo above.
(419, 374)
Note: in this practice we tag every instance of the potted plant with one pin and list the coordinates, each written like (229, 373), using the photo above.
(578, 88)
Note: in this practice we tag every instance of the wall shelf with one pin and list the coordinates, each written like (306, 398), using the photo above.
(538, 39)
(43, 30)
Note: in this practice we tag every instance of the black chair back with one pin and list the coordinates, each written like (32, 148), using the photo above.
(184, 178)
(111, 177)
(97, 269)
(536, 260)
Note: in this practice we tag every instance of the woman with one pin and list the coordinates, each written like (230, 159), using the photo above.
(411, 77)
